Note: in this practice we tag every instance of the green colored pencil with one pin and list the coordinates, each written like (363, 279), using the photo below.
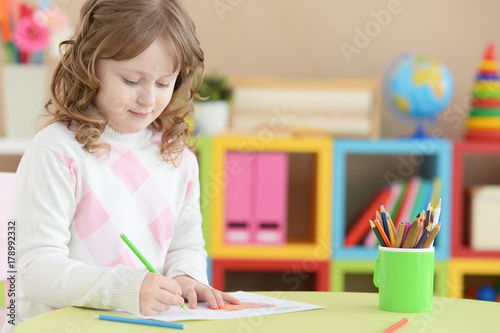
(138, 254)
(144, 261)
(375, 230)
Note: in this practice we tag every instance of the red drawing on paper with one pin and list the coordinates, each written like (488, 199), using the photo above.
(247, 305)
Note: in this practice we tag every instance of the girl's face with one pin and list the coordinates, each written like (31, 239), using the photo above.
(134, 92)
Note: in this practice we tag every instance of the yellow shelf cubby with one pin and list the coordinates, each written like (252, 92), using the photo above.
(317, 153)
(361, 274)
(460, 269)
(360, 270)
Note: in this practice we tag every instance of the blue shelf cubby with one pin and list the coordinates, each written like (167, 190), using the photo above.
(210, 273)
(364, 166)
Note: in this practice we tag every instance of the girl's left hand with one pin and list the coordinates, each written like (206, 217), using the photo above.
(195, 291)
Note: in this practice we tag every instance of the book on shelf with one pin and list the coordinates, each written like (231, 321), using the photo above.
(394, 210)
(361, 227)
(336, 107)
(402, 199)
(405, 212)
(306, 101)
(370, 240)
(396, 190)
(342, 123)
(422, 198)
(436, 191)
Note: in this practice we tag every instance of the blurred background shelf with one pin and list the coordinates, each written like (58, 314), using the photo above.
(474, 163)
(11, 150)
(364, 167)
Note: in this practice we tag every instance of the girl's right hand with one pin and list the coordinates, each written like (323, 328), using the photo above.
(157, 294)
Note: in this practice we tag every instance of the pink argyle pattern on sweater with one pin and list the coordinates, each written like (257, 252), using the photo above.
(68, 162)
(187, 175)
(81, 185)
(124, 259)
(89, 215)
(188, 189)
(149, 197)
(131, 172)
(162, 228)
(152, 208)
(104, 246)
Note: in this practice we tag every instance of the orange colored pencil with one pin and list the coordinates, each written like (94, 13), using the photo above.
(382, 233)
(378, 217)
(392, 234)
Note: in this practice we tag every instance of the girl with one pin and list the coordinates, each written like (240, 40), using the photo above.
(115, 160)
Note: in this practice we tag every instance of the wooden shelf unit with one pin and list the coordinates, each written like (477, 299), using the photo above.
(316, 242)
(341, 271)
(398, 159)
(286, 275)
(460, 268)
(464, 154)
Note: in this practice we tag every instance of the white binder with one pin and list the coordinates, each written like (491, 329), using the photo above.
(485, 218)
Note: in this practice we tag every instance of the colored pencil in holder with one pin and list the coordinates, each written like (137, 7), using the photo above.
(414, 230)
(428, 215)
(405, 234)
(422, 216)
(437, 212)
(400, 234)
(382, 233)
(378, 216)
(388, 231)
(424, 236)
(377, 233)
(391, 223)
(432, 235)
(417, 234)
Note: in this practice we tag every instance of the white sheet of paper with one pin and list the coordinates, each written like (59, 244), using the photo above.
(268, 305)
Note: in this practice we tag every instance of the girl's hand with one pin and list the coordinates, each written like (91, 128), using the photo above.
(157, 294)
(195, 291)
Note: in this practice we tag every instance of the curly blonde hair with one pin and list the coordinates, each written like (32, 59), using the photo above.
(121, 30)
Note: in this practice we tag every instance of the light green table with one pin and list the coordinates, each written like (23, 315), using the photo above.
(345, 312)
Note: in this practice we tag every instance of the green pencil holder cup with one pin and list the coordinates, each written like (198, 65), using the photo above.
(405, 279)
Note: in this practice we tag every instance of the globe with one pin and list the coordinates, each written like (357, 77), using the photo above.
(417, 89)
